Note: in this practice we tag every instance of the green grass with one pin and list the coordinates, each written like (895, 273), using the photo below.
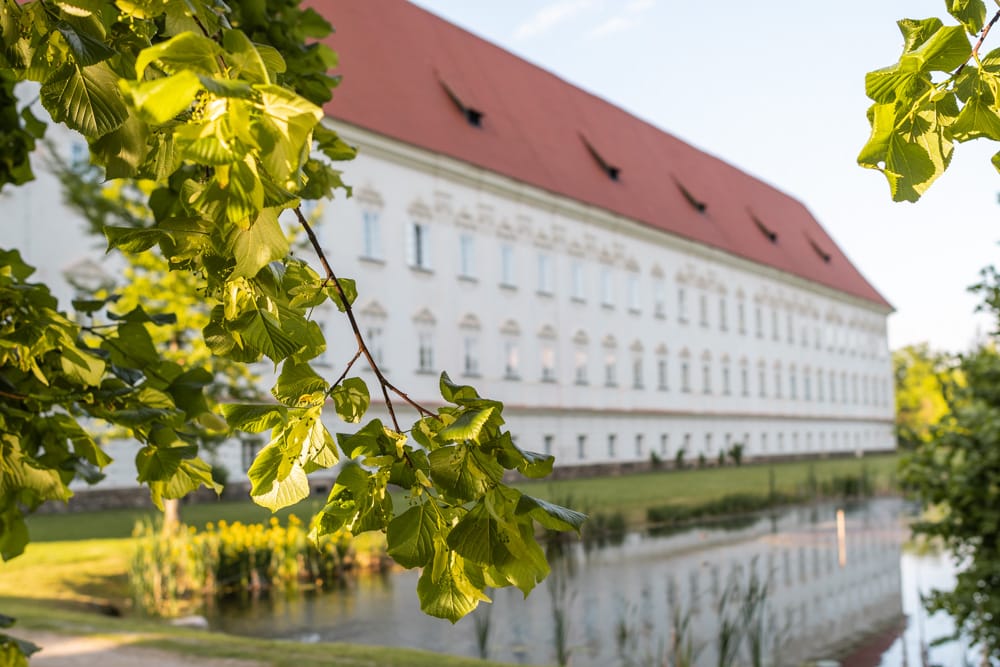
(633, 494)
(43, 616)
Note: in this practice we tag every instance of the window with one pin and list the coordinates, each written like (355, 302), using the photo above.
(611, 445)
(581, 447)
(819, 384)
(682, 311)
(792, 384)
(726, 387)
(425, 352)
(576, 280)
(659, 298)
(703, 310)
(512, 359)
(844, 398)
(807, 385)
(759, 321)
(774, 323)
(781, 442)
(761, 380)
(547, 444)
(638, 445)
(664, 441)
(548, 361)
(763, 442)
(470, 357)
(661, 373)
(744, 379)
(507, 265)
(632, 289)
(607, 287)
(418, 246)
(777, 380)
(741, 316)
(637, 372)
(706, 376)
(466, 256)
(371, 239)
(685, 377)
(373, 337)
(708, 443)
(723, 322)
(790, 328)
(610, 368)
(545, 282)
(833, 387)
(580, 365)
(248, 452)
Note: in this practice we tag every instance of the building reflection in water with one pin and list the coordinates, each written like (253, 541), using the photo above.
(636, 601)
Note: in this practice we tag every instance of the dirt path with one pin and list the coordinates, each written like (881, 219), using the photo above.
(69, 651)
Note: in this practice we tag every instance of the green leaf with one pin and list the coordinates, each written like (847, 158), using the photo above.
(86, 49)
(916, 32)
(299, 384)
(132, 240)
(350, 291)
(450, 595)
(970, 13)
(978, 119)
(189, 476)
(263, 242)
(243, 55)
(81, 367)
(13, 534)
(469, 425)
(351, 399)
(410, 536)
(163, 99)
(262, 330)
(122, 151)
(549, 515)
(464, 472)
(254, 417)
(85, 98)
(455, 393)
(158, 464)
(266, 468)
(286, 492)
(185, 52)
(945, 50)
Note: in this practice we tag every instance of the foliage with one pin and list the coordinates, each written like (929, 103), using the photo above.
(943, 92)
(920, 376)
(940, 92)
(736, 453)
(215, 110)
(171, 571)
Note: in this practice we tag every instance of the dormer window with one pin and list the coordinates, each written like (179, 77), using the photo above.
(696, 203)
(771, 235)
(612, 171)
(472, 115)
(823, 255)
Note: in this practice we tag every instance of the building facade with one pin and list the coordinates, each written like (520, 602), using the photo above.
(626, 295)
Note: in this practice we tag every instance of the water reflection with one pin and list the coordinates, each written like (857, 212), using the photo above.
(645, 598)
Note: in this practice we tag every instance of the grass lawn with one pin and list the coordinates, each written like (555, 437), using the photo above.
(632, 494)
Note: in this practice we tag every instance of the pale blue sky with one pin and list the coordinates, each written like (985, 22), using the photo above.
(777, 88)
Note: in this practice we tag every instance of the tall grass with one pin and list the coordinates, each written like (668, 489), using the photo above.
(171, 571)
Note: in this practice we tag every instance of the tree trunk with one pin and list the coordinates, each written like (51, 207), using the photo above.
(171, 514)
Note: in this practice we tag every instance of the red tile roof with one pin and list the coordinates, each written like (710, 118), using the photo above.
(535, 128)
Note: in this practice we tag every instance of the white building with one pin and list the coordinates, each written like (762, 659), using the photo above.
(623, 293)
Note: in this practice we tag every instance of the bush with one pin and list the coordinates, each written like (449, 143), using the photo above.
(679, 458)
(734, 503)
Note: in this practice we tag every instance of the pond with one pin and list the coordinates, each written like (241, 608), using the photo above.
(805, 583)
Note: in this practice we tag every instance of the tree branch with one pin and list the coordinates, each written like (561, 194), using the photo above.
(384, 384)
(979, 42)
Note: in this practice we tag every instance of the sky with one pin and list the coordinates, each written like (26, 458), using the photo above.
(777, 88)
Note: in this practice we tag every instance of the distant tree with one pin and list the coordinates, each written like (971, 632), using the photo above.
(920, 377)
